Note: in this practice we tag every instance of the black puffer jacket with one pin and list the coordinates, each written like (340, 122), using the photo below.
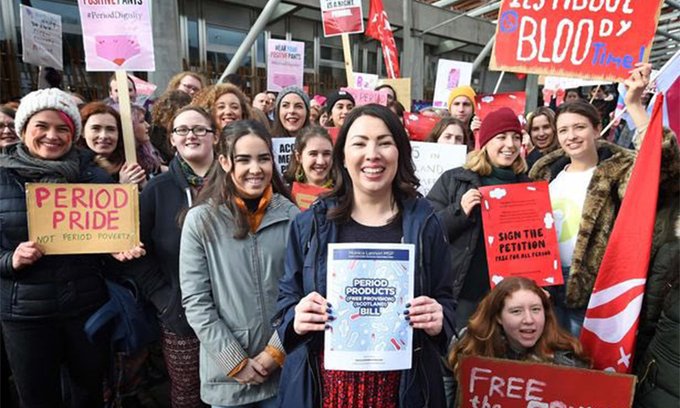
(462, 231)
(157, 273)
(56, 285)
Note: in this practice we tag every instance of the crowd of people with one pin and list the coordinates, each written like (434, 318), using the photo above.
(232, 274)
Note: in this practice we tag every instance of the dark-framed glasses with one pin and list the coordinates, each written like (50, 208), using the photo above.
(196, 130)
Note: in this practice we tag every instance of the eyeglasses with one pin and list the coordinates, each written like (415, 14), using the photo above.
(9, 126)
(197, 130)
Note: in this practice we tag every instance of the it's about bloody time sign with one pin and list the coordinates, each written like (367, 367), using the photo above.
(519, 233)
(83, 218)
(495, 383)
(595, 39)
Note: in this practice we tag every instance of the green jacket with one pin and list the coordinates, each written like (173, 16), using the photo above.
(229, 291)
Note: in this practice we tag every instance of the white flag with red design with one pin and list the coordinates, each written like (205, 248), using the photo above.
(379, 28)
(610, 326)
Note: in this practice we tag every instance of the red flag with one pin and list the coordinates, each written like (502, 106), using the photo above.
(611, 321)
(379, 28)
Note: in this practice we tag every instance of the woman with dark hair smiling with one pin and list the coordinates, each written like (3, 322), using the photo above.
(374, 201)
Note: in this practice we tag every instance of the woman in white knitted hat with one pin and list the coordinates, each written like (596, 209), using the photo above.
(46, 299)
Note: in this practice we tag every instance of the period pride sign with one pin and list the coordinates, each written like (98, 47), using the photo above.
(594, 39)
(519, 233)
(83, 218)
(366, 96)
(495, 383)
(285, 64)
(117, 35)
(341, 17)
(41, 36)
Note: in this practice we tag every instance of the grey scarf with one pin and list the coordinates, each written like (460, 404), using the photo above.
(64, 170)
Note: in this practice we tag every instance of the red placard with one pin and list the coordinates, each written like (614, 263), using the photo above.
(341, 17)
(519, 233)
(597, 39)
(366, 96)
(419, 126)
(485, 104)
(333, 132)
(305, 194)
(495, 383)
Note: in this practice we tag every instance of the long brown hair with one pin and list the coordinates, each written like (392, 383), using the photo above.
(443, 123)
(306, 134)
(405, 183)
(113, 163)
(485, 337)
(221, 190)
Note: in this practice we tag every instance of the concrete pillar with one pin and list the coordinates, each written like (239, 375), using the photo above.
(531, 89)
(166, 40)
(417, 68)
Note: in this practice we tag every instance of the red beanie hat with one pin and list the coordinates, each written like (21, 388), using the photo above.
(497, 122)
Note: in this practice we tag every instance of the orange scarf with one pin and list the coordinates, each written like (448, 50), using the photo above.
(255, 219)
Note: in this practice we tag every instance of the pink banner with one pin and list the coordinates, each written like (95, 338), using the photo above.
(365, 96)
(117, 36)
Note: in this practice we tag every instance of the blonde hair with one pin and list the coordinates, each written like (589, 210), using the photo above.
(174, 81)
(479, 162)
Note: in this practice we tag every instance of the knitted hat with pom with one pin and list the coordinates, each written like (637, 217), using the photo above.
(48, 99)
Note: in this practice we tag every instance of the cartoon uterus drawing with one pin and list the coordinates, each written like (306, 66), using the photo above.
(117, 48)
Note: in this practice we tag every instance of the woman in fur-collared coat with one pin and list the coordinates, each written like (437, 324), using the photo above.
(588, 180)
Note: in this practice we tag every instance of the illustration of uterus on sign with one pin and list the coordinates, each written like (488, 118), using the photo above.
(454, 78)
(117, 48)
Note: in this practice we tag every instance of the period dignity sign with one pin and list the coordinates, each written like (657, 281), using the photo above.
(285, 64)
(519, 233)
(596, 39)
(494, 383)
(83, 218)
(341, 17)
(117, 35)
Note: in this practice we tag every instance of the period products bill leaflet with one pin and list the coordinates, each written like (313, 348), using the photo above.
(368, 286)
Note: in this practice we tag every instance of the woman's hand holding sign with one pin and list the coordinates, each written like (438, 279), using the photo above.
(470, 199)
(311, 314)
(26, 254)
(425, 313)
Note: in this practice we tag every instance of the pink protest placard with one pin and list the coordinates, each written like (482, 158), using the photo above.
(285, 64)
(117, 35)
(365, 96)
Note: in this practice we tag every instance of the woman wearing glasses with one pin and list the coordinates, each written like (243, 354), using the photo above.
(8, 136)
(192, 135)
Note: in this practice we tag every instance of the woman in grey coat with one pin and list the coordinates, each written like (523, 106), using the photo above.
(231, 257)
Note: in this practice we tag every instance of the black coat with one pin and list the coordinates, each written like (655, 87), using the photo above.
(56, 285)
(306, 256)
(462, 231)
(157, 273)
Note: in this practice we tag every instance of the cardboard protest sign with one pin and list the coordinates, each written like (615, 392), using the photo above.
(283, 148)
(285, 64)
(433, 159)
(485, 104)
(496, 383)
(144, 89)
(419, 126)
(41, 37)
(369, 286)
(581, 38)
(519, 233)
(365, 81)
(117, 35)
(83, 218)
(365, 96)
(450, 75)
(403, 88)
(306, 194)
(341, 17)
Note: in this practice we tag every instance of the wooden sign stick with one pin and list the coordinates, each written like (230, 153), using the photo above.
(498, 83)
(347, 51)
(126, 117)
(594, 93)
